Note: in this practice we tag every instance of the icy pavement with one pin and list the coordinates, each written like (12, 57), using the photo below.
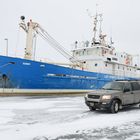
(64, 118)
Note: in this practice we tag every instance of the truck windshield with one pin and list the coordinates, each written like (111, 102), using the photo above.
(114, 86)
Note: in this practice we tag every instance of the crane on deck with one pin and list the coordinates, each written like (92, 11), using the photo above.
(33, 28)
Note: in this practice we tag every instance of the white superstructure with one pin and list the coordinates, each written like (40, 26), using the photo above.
(99, 56)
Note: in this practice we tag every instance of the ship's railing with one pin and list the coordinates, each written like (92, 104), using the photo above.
(124, 73)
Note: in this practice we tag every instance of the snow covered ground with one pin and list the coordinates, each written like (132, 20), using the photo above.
(64, 118)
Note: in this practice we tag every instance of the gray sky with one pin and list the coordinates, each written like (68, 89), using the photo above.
(67, 21)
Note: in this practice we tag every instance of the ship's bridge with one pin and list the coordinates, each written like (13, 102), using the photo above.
(84, 52)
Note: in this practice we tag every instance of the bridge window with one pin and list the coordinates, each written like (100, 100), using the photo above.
(109, 59)
(96, 64)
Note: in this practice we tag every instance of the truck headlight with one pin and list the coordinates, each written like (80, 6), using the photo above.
(106, 97)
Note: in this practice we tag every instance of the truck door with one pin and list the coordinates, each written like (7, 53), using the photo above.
(136, 91)
(128, 96)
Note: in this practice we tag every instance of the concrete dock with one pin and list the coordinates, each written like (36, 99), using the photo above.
(39, 92)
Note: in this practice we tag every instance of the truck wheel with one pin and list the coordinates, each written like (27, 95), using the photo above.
(114, 106)
(92, 108)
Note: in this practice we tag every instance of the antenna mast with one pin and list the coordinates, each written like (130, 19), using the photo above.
(95, 28)
(100, 20)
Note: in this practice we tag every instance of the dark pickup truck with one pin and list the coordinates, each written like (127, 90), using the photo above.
(114, 96)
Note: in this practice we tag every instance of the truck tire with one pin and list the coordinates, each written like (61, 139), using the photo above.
(114, 106)
(92, 108)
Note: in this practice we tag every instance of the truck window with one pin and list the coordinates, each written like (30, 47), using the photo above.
(135, 86)
(127, 87)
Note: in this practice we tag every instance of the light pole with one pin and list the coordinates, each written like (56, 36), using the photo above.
(6, 39)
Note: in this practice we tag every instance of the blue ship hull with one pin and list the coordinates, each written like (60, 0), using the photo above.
(26, 74)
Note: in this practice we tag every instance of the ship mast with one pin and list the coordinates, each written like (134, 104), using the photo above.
(30, 29)
(95, 28)
(100, 20)
(100, 38)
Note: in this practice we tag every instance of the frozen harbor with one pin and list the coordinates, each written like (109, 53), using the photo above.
(64, 118)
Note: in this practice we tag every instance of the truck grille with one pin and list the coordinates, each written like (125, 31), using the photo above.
(94, 96)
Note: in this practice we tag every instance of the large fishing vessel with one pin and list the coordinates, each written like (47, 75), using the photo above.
(93, 63)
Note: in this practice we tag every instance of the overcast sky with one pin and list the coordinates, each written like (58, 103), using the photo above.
(67, 21)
